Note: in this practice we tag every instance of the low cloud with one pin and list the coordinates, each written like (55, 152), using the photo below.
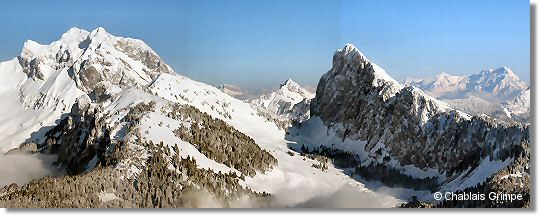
(22, 168)
(349, 197)
(346, 196)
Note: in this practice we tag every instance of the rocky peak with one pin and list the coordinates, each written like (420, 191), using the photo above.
(93, 57)
(351, 76)
(289, 82)
(404, 125)
(290, 87)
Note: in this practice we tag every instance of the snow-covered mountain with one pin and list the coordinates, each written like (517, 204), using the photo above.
(495, 85)
(475, 106)
(501, 83)
(285, 105)
(284, 98)
(44, 81)
(131, 132)
(401, 136)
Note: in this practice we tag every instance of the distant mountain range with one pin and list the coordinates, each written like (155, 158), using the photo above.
(487, 92)
(496, 85)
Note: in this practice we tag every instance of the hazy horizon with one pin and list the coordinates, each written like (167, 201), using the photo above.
(258, 45)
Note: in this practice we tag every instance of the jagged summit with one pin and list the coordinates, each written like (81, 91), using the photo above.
(352, 58)
(351, 52)
(290, 87)
(501, 81)
(284, 98)
(287, 104)
(289, 82)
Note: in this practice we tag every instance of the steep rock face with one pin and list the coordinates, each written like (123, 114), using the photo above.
(403, 127)
(82, 140)
(351, 74)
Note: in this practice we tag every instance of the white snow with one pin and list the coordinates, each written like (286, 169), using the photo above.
(478, 175)
(29, 105)
(165, 134)
(107, 197)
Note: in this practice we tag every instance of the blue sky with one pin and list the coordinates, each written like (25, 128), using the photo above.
(258, 44)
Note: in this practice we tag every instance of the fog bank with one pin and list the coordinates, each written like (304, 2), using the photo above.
(22, 168)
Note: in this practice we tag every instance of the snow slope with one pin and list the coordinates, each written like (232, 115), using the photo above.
(31, 105)
(519, 105)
